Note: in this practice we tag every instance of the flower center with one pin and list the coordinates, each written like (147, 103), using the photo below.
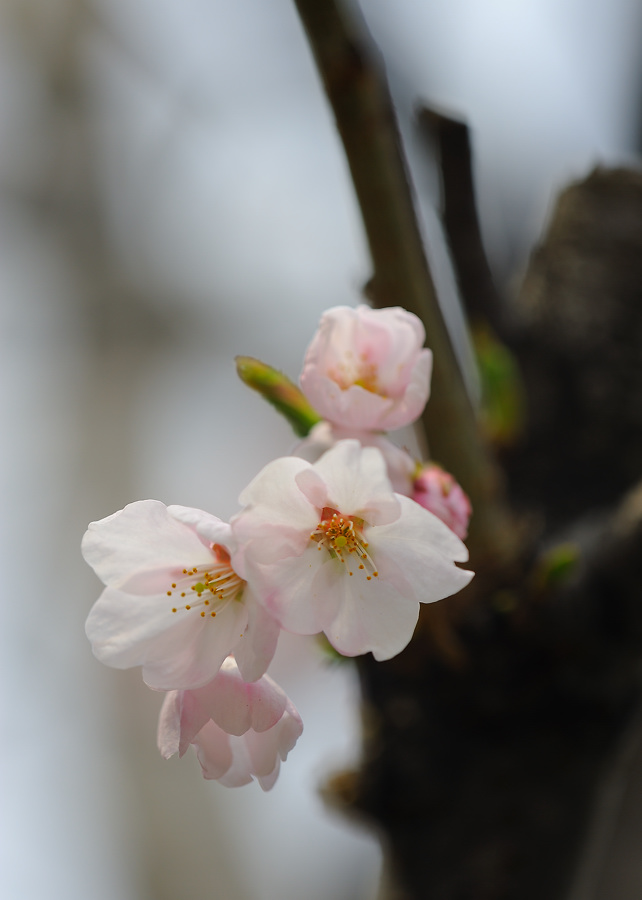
(208, 589)
(360, 372)
(342, 537)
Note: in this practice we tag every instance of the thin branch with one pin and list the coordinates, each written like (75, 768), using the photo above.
(460, 218)
(365, 119)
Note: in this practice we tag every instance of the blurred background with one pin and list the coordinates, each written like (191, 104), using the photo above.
(172, 193)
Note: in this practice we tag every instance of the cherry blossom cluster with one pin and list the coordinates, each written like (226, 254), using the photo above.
(347, 537)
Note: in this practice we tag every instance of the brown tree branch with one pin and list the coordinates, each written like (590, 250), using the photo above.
(365, 119)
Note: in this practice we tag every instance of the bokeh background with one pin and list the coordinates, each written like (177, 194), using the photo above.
(173, 193)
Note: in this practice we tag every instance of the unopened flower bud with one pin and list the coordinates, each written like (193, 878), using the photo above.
(438, 492)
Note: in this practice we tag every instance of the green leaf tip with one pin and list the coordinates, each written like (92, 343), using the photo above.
(278, 390)
(556, 565)
(502, 407)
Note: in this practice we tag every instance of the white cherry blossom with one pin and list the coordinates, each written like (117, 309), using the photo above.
(329, 547)
(173, 602)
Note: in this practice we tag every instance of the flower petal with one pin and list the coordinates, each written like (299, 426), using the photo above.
(366, 369)
(372, 616)
(255, 650)
(139, 548)
(215, 754)
(274, 496)
(176, 650)
(416, 553)
(212, 529)
(290, 590)
(400, 465)
(169, 725)
(236, 706)
(357, 482)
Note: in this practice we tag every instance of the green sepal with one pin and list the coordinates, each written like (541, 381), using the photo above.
(278, 390)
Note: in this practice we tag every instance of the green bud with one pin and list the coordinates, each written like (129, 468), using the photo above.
(556, 565)
(278, 390)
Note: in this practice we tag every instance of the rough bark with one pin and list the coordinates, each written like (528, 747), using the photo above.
(486, 740)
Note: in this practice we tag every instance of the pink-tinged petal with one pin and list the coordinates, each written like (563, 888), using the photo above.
(357, 482)
(351, 406)
(255, 650)
(214, 752)
(181, 718)
(240, 730)
(438, 492)
(236, 706)
(313, 487)
(141, 547)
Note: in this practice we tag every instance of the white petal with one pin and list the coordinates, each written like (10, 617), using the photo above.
(209, 527)
(267, 782)
(239, 773)
(290, 591)
(372, 617)
(273, 494)
(139, 548)
(176, 650)
(357, 482)
(417, 552)
(255, 650)
(169, 725)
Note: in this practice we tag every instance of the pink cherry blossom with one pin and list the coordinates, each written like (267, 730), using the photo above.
(365, 369)
(241, 731)
(329, 547)
(173, 602)
(400, 465)
(437, 491)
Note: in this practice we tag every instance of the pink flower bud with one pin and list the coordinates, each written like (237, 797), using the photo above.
(438, 492)
(366, 369)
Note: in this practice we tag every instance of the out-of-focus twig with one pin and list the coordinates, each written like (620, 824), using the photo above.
(459, 215)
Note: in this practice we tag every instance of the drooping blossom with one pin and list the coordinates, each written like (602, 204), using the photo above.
(400, 465)
(437, 491)
(366, 369)
(173, 602)
(331, 548)
(241, 731)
